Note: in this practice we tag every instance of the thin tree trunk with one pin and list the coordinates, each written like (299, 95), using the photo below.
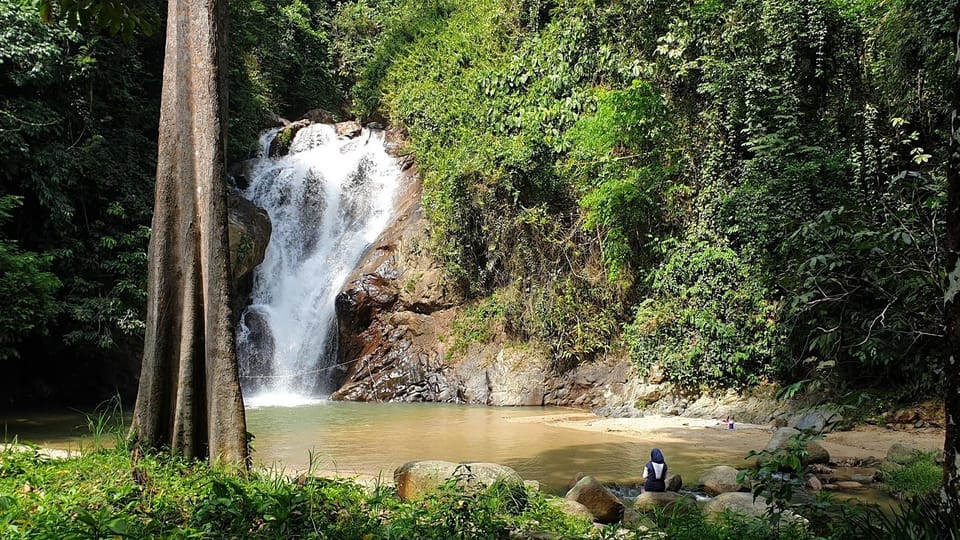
(951, 444)
(189, 399)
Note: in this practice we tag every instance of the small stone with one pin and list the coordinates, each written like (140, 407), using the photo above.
(813, 483)
(849, 485)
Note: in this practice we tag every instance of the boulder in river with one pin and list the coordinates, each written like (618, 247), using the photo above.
(674, 482)
(416, 478)
(720, 479)
(652, 501)
(602, 503)
(781, 439)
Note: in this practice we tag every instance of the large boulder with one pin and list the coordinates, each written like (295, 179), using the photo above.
(280, 145)
(349, 129)
(571, 508)
(817, 420)
(781, 439)
(674, 482)
(319, 116)
(415, 478)
(902, 454)
(249, 230)
(602, 503)
(653, 501)
(735, 502)
(720, 479)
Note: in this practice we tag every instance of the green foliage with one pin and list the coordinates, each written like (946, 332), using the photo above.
(709, 322)
(927, 516)
(26, 289)
(688, 153)
(920, 477)
(281, 62)
(779, 474)
(78, 115)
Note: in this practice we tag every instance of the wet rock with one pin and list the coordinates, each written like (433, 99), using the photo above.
(813, 483)
(248, 232)
(602, 503)
(415, 478)
(815, 452)
(273, 120)
(348, 129)
(280, 145)
(720, 479)
(674, 482)
(848, 485)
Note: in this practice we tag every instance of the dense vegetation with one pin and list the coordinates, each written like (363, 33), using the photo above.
(738, 190)
(106, 494)
(78, 128)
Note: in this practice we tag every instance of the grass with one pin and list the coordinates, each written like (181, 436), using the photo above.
(919, 477)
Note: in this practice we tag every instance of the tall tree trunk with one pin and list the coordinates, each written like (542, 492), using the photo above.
(951, 444)
(189, 399)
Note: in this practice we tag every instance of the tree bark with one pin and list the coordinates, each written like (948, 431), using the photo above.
(189, 399)
(951, 444)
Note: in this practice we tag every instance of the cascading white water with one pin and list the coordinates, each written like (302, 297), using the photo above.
(328, 199)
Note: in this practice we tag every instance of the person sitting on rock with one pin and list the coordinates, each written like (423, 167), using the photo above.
(655, 472)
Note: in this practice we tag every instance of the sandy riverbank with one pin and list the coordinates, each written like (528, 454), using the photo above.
(712, 435)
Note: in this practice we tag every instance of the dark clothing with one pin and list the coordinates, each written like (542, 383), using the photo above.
(656, 482)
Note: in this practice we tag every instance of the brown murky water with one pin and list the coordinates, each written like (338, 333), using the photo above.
(370, 439)
(374, 439)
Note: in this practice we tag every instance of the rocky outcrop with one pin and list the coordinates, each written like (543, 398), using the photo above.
(249, 232)
(394, 313)
(280, 145)
(415, 478)
(720, 479)
(349, 129)
(602, 503)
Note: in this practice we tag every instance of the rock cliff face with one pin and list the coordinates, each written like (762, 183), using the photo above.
(395, 322)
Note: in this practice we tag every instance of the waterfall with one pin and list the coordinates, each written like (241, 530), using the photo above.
(328, 199)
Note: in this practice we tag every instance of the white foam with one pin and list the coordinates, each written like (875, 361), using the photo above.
(280, 399)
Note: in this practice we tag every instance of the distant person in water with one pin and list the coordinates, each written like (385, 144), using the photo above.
(729, 422)
(655, 472)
